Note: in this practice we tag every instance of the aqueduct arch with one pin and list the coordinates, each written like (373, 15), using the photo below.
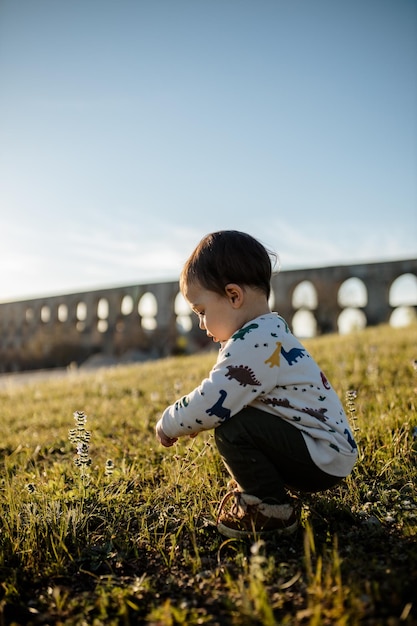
(57, 330)
(377, 279)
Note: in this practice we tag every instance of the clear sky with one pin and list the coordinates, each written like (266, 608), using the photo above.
(131, 128)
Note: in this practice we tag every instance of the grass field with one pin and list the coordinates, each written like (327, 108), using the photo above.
(126, 534)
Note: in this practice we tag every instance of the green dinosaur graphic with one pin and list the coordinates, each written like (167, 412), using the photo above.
(240, 334)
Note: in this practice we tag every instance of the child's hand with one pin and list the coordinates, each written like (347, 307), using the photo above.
(166, 441)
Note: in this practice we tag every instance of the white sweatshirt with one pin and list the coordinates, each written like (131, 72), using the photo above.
(263, 365)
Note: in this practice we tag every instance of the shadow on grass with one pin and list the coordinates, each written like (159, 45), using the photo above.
(118, 577)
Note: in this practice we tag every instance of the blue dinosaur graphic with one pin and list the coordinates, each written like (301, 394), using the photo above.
(218, 409)
(350, 439)
(293, 354)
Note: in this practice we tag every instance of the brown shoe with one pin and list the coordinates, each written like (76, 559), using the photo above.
(249, 516)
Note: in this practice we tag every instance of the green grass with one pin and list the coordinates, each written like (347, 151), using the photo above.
(130, 538)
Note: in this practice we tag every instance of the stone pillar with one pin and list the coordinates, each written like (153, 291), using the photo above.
(328, 309)
(165, 294)
(378, 309)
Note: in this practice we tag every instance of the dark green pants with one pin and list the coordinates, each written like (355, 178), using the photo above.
(266, 455)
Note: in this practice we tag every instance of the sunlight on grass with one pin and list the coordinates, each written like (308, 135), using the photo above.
(126, 533)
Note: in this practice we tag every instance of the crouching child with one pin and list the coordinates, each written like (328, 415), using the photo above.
(278, 424)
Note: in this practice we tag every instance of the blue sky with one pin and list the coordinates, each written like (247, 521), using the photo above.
(131, 128)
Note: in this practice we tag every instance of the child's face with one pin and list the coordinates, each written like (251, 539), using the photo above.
(216, 313)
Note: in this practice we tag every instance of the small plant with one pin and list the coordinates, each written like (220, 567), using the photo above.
(109, 468)
(81, 438)
(351, 407)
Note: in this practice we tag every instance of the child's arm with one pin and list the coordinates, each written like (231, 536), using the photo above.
(166, 441)
(234, 382)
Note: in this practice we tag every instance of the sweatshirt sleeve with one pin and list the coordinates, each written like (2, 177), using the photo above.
(239, 377)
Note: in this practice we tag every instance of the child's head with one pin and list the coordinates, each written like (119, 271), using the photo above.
(228, 256)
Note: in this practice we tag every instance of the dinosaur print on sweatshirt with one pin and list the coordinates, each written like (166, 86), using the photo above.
(275, 358)
(240, 334)
(317, 414)
(292, 355)
(350, 439)
(324, 380)
(218, 409)
(180, 403)
(243, 374)
(277, 402)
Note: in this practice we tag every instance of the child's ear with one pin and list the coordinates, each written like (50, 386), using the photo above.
(234, 293)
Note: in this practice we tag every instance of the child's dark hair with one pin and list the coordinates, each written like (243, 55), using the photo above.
(228, 256)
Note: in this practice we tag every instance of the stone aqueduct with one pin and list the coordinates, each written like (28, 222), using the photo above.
(58, 330)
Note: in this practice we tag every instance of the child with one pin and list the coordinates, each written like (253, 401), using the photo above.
(278, 423)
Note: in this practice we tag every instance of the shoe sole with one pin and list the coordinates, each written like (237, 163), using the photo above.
(234, 533)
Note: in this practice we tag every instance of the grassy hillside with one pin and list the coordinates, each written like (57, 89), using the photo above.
(126, 534)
